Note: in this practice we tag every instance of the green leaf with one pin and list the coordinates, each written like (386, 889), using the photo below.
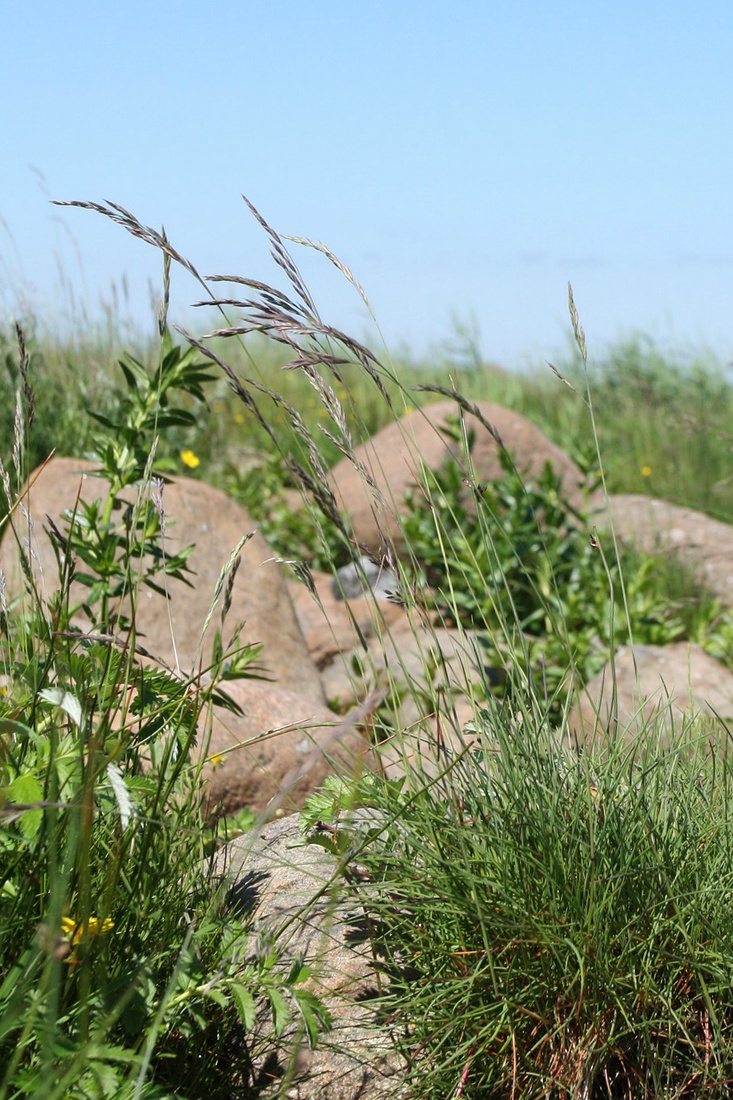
(131, 368)
(214, 993)
(105, 421)
(280, 1011)
(223, 699)
(298, 973)
(9, 725)
(316, 1016)
(173, 418)
(245, 1005)
(27, 789)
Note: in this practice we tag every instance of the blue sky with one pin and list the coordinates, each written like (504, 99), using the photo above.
(465, 160)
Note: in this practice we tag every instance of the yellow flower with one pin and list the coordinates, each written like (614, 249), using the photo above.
(191, 460)
(646, 471)
(75, 931)
(239, 418)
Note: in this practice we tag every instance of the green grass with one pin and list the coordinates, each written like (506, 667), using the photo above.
(552, 922)
(663, 423)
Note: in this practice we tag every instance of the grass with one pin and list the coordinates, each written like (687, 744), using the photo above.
(552, 922)
(662, 423)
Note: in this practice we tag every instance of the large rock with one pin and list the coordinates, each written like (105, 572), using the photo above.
(395, 458)
(332, 624)
(658, 527)
(299, 898)
(428, 676)
(416, 660)
(660, 683)
(365, 644)
(280, 750)
(195, 513)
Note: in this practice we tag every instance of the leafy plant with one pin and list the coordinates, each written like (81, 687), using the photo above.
(117, 951)
(515, 561)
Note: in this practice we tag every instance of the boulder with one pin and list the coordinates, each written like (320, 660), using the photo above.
(332, 625)
(301, 901)
(658, 527)
(195, 513)
(427, 675)
(394, 459)
(416, 660)
(279, 750)
(665, 682)
(365, 644)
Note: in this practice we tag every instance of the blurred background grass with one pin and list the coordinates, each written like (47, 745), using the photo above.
(663, 421)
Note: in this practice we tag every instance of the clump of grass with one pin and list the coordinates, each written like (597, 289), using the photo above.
(552, 923)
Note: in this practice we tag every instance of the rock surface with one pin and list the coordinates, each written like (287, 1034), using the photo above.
(278, 876)
(667, 681)
(195, 513)
(658, 527)
(395, 457)
(332, 625)
(416, 661)
(364, 644)
(280, 750)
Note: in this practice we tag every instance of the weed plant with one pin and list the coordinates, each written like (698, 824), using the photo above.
(123, 971)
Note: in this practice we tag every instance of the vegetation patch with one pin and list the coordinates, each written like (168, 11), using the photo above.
(548, 922)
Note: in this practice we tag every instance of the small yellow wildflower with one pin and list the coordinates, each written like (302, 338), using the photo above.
(77, 930)
(190, 459)
(239, 418)
(646, 471)
(216, 759)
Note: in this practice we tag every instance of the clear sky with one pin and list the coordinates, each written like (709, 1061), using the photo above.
(465, 159)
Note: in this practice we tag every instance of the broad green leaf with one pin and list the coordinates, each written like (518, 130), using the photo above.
(27, 789)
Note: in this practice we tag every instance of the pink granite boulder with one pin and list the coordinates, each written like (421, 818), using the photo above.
(195, 513)
(394, 459)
